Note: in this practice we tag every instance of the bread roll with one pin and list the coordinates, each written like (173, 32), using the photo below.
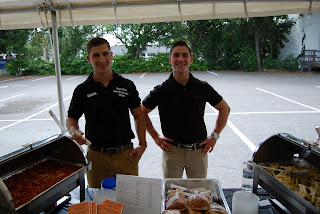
(214, 205)
(206, 194)
(216, 208)
(176, 200)
(172, 193)
(198, 202)
(190, 211)
(216, 211)
(171, 212)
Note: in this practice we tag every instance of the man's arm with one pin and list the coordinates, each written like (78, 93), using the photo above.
(223, 114)
(160, 140)
(73, 125)
(140, 130)
(151, 130)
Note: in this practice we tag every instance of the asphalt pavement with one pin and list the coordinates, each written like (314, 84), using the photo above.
(262, 104)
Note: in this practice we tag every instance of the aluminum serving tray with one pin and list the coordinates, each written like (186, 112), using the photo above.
(285, 148)
(55, 148)
(209, 184)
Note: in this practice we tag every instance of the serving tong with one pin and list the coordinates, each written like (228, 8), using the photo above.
(291, 173)
(64, 130)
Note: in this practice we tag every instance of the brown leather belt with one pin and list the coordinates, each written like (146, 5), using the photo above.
(113, 150)
(192, 146)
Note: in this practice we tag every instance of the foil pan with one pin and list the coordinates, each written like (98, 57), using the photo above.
(209, 184)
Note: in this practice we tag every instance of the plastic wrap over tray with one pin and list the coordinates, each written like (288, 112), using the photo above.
(209, 184)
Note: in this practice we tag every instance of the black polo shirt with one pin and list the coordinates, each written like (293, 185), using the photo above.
(181, 108)
(106, 110)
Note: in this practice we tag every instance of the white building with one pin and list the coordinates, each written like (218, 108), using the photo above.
(121, 49)
(308, 26)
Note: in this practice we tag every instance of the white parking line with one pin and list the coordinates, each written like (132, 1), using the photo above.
(42, 78)
(73, 78)
(13, 86)
(142, 75)
(19, 86)
(37, 119)
(213, 73)
(14, 79)
(288, 99)
(251, 146)
(11, 97)
(27, 118)
(268, 112)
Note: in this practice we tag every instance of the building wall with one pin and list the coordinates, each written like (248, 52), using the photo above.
(308, 25)
(312, 30)
(121, 49)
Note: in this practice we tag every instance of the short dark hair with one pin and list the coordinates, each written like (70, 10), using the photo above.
(181, 43)
(96, 42)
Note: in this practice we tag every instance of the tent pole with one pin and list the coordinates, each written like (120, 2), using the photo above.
(57, 65)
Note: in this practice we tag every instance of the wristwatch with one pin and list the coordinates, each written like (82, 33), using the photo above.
(215, 135)
(143, 144)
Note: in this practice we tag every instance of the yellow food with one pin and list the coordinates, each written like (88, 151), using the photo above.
(307, 186)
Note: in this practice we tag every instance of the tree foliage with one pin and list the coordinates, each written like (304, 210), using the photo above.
(72, 47)
(13, 41)
(218, 44)
(137, 37)
(222, 41)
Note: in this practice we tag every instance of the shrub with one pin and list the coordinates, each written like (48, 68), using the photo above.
(290, 63)
(199, 64)
(248, 60)
(157, 63)
(22, 66)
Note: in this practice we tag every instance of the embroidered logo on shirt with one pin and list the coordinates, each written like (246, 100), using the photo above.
(122, 92)
(92, 94)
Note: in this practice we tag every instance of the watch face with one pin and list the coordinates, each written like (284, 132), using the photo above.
(215, 136)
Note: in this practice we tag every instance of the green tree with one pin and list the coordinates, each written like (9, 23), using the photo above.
(266, 35)
(217, 41)
(13, 41)
(39, 44)
(72, 47)
(222, 41)
(137, 37)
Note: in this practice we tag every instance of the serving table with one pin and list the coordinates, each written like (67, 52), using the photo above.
(269, 205)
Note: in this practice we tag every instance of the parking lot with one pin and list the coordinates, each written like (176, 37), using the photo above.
(262, 104)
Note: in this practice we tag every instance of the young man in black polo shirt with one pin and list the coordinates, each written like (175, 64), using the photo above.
(181, 102)
(105, 99)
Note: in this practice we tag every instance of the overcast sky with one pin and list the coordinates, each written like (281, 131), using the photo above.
(112, 40)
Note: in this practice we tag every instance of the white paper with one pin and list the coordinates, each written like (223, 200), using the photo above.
(139, 195)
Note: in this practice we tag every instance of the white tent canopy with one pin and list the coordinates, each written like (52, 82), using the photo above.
(22, 14)
(19, 14)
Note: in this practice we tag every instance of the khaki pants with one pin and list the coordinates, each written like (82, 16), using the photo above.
(105, 166)
(193, 161)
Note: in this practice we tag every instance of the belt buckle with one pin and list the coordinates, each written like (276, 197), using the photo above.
(116, 149)
(188, 146)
